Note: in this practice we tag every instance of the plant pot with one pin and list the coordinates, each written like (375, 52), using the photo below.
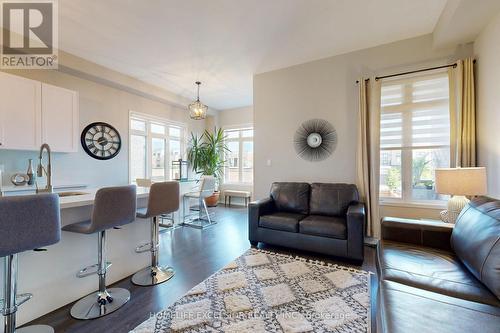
(213, 200)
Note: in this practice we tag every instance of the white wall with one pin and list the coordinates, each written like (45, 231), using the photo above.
(326, 89)
(487, 54)
(235, 117)
(232, 118)
(99, 101)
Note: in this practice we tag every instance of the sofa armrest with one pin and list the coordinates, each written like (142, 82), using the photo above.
(433, 234)
(255, 210)
(356, 219)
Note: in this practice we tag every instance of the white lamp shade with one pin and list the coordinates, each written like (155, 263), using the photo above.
(461, 181)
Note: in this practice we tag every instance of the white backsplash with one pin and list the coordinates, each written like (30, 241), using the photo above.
(67, 168)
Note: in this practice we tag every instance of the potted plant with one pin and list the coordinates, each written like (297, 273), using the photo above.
(206, 156)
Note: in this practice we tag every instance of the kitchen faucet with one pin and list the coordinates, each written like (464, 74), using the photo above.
(41, 170)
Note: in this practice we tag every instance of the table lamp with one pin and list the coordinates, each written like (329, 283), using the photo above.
(459, 182)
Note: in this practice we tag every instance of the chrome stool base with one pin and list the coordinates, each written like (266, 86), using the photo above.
(9, 305)
(154, 274)
(199, 223)
(151, 276)
(35, 329)
(89, 307)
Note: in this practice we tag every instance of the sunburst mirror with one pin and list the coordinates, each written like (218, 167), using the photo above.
(315, 140)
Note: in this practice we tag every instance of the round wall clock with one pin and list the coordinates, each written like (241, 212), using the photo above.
(101, 141)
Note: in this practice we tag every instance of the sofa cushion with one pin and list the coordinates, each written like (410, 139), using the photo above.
(404, 309)
(291, 197)
(332, 199)
(281, 221)
(476, 241)
(325, 226)
(430, 269)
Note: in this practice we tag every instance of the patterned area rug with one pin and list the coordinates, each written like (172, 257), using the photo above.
(268, 292)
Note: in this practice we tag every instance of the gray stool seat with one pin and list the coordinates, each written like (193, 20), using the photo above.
(113, 207)
(84, 227)
(163, 199)
(26, 223)
(142, 213)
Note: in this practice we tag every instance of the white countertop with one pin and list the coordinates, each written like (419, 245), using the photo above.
(22, 188)
(88, 198)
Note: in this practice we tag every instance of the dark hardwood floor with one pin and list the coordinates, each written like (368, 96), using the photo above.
(195, 255)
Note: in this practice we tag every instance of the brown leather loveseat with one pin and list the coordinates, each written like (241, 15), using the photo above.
(319, 217)
(440, 278)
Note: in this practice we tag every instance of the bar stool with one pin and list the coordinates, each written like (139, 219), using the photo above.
(163, 199)
(113, 207)
(147, 182)
(205, 190)
(26, 223)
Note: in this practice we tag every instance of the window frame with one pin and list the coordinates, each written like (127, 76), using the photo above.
(149, 135)
(241, 140)
(407, 148)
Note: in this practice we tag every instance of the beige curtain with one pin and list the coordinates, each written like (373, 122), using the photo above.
(367, 154)
(462, 114)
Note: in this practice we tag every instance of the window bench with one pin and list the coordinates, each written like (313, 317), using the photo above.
(238, 194)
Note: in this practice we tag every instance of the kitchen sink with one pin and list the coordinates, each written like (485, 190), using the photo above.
(70, 194)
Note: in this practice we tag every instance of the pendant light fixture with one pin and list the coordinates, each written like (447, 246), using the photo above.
(197, 110)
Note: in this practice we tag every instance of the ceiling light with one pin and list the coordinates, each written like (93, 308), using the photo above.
(197, 110)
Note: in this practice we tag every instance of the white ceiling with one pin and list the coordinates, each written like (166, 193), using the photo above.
(223, 43)
(462, 20)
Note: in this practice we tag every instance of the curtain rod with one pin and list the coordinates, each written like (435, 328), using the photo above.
(418, 71)
(415, 71)
(366, 80)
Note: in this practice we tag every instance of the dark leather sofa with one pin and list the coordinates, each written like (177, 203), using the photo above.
(318, 217)
(440, 278)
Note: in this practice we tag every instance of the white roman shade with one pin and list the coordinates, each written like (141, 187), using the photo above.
(415, 112)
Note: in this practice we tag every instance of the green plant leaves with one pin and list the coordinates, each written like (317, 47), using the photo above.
(206, 153)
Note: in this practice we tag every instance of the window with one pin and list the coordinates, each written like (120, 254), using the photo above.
(414, 136)
(154, 144)
(239, 159)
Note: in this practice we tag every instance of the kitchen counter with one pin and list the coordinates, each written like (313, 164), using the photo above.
(51, 276)
(88, 198)
(31, 189)
(71, 201)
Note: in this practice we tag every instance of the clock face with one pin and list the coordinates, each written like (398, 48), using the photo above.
(101, 141)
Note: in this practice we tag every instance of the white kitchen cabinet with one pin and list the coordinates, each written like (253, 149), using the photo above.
(32, 113)
(60, 118)
(20, 106)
